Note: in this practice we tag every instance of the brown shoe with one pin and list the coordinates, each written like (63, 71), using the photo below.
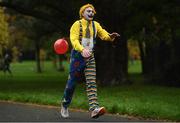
(98, 112)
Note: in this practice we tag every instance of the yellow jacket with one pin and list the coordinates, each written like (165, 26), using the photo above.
(74, 33)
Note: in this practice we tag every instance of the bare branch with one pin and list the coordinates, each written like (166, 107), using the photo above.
(34, 13)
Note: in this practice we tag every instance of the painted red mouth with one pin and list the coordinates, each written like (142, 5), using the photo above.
(90, 16)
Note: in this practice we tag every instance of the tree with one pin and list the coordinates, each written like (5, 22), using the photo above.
(4, 33)
(51, 12)
(155, 25)
(112, 58)
(50, 16)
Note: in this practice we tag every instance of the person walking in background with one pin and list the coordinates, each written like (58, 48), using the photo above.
(82, 36)
(6, 65)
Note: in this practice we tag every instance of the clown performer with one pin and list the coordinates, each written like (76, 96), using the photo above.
(82, 35)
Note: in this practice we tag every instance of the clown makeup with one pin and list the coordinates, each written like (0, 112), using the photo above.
(88, 14)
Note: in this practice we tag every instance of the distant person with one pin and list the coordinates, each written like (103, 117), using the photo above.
(6, 65)
(82, 35)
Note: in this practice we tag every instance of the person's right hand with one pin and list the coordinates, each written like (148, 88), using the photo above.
(114, 35)
(86, 53)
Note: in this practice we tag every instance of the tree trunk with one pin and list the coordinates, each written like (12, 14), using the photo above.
(170, 75)
(142, 54)
(111, 61)
(38, 64)
(112, 57)
(61, 67)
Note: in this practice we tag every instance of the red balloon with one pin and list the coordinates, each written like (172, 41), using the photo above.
(61, 46)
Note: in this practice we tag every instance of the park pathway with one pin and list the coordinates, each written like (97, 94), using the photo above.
(19, 112)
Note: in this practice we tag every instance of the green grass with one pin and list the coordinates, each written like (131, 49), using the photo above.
(135, 67)
(138, 99)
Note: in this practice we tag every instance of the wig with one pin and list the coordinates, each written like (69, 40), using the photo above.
(84, 7)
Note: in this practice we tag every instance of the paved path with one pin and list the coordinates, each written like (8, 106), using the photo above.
(19, 112)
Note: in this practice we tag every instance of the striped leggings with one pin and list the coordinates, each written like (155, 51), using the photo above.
(79, 66)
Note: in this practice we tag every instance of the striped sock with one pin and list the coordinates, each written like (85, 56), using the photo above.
(91, 88)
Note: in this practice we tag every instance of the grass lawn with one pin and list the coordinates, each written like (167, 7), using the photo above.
(47, 88)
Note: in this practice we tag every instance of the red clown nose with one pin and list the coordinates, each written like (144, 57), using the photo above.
(61, 46)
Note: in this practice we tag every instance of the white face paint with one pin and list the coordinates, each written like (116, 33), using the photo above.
(88, 14)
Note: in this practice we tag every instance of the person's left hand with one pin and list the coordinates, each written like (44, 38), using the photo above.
(114, 35)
